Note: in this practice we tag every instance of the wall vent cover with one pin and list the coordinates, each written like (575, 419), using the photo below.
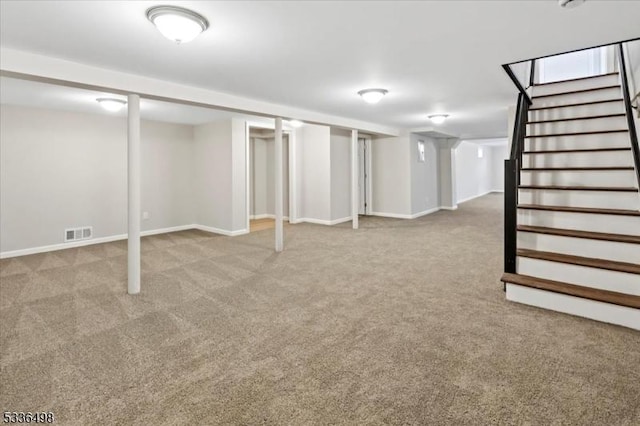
(77, 234)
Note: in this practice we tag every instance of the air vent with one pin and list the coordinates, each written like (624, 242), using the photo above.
(77, 234)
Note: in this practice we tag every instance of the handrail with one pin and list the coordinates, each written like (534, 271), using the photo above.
(575, 50)
(633, 135)
(512, 76)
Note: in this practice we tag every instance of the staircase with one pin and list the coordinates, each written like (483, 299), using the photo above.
(578, 204)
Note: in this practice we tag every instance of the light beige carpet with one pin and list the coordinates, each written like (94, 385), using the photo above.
(400, 322)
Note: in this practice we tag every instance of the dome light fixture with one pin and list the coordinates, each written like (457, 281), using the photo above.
(372, 96)
(438, 118)
(111, 104)
(177, 23)
(570, 4)
(295, 123)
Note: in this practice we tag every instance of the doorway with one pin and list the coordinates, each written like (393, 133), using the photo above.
(261, 179)
(364, 176)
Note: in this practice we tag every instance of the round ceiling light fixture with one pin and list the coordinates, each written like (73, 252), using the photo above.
(111, 104)
(569, 4)
(295, 123)
(372, 96)
(438, 118)
(177, 23)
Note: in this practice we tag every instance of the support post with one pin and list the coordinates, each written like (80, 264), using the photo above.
(355, 194)
(279, 184)
(133, 182)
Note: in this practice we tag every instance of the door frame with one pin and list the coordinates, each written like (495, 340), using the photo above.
(292, 178)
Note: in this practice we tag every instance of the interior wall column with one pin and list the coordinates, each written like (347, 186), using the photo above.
(355, 194)
(279, 186)
(133, 183)
(448, 193)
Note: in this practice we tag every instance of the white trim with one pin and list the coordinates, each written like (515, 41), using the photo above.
(592, 309)
(111, 238)
(405, 216)
(474, 197)
(497, 190)
(266, 216)
(323, 221)
(221, 231)
(450, 208)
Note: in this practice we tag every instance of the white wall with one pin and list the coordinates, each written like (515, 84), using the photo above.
(424, 176)
(263, 176)
(473, 174)
(340, 174)
(314, 173)
(391, 176)
(498, 154)
(64, 169)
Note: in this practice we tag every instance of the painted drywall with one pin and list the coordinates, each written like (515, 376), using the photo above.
(340, 174)
(424, 175)
(263, 176)
(314, 173)
(62, 170)
(213, 175)
(391, 176)
(473, 174)
(498, 154)
(238, 176)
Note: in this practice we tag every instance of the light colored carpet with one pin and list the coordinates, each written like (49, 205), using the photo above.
(401, 322)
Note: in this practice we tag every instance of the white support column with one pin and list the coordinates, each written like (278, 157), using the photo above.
(355, 194)
(279, 186)
(133, 180)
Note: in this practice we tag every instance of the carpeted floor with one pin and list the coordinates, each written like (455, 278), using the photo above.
(400, 322)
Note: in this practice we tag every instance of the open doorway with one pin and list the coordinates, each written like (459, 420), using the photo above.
(364, 176)
(261, 177)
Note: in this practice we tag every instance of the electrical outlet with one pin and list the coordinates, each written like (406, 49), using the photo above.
(145, 215)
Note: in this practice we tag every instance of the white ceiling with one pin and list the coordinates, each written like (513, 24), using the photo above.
(42, 95)
(432, 56)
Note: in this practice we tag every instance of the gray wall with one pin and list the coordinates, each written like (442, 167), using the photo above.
(314, 172)
(64, 169)
(473, 174)
(424, 176)
(340, 174)
(498, 155)
(391, 176)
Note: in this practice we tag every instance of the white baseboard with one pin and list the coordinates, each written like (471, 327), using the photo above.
(497, 190)
(111, 238)
(323, 221)
(475, 196)
(424, 213)
(451, 208)
(221, 231)
(266, 216)
(405, 216)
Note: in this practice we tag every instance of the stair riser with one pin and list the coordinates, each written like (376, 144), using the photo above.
(613, 178)
(573, 98)
(592, 199)
(625, 225)
(598, 249)
(599, 311)
(570, 86)
(601, 140)
(577, 111)
(584, 276)
(575, 126)
(579, 159)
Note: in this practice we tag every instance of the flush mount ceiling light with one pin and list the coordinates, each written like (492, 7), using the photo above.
(177, 23)
(295, 123)
(568, 4)
(111, 104)
(372, 96)
(438, 118)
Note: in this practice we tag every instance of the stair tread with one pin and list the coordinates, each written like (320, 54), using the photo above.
(602, 236)
(580, 188)
(552, 135)
(590, 262)
(576, 104)
(591, 117)
(575, 79)
(589, 210)
(571, 169)
(600, 295)
(565, 151)
(571, 92)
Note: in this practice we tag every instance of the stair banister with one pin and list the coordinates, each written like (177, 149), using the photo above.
(633, 135)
